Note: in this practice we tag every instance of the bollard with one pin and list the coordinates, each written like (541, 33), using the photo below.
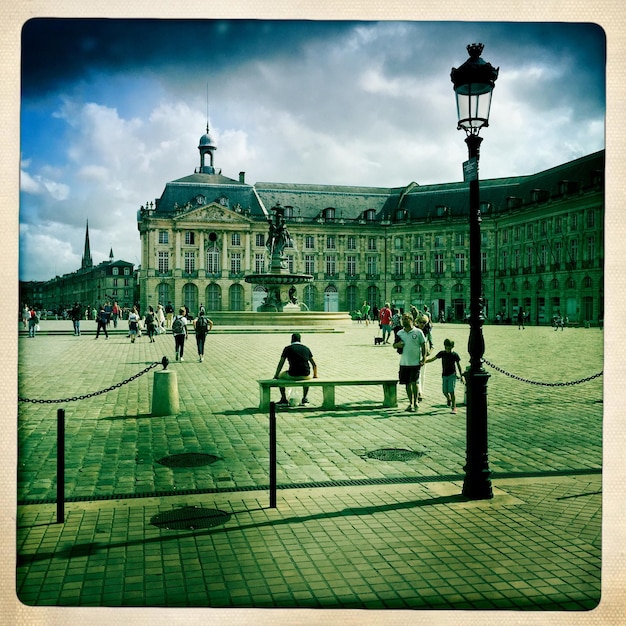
(60, 466)
(165, 393)
(272, 455)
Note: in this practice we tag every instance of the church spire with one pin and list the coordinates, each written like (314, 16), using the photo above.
(87, 261)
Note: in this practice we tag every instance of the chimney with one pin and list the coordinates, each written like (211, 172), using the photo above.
(242, 177)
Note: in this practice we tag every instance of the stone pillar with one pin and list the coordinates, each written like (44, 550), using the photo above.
(165, 393)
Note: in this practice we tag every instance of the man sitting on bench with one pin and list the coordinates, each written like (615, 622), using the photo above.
(299, 357)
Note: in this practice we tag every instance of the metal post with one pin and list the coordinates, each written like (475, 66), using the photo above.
(477, 485)
(60, 466)
(272, 455)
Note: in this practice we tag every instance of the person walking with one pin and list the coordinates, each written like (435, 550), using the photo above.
(133, 324)
(102, 320)
(169, 314)
(75, 314)
(160, 318)
(150, 324)
(202, 325)
(25, 316)
(33, 320)
(411, 344)
(520, 319)
(179, 330)
(450, 363)
(116, 311)
(300, 360)
(385, 321)
(365, 312)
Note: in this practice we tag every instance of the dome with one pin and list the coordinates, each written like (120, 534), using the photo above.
(206, 140)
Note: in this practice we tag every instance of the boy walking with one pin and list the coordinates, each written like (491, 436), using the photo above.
(450, 362)
(412, 344)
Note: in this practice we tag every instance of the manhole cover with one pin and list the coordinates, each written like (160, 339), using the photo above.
(188, 459)
(393, 454)
(190, 517)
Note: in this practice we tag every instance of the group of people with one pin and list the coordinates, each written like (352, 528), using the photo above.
(411, 341)
(30, 319)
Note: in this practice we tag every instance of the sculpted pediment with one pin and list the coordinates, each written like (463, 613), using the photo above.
(212, 213)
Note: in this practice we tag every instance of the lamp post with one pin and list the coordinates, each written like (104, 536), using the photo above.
(473, 85)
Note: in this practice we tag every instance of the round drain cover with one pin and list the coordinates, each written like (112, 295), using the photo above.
(188, 459)
(190, 517)
(393, 454)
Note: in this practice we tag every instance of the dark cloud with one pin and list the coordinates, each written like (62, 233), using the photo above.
(57, 51)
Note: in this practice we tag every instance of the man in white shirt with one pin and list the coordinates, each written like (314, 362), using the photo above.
(411, 343)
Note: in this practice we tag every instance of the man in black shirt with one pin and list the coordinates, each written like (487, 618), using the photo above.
(298, 357)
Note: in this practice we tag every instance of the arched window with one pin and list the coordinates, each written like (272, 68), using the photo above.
(212, 264)
(554, 284)
(190, 298)
(235, 297)
(213, 297)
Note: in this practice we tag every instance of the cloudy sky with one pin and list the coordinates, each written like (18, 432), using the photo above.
(111, 110)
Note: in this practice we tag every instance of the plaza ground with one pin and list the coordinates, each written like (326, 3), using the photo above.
(369, 512)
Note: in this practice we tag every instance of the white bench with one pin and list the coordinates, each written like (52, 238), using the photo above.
(389, 386)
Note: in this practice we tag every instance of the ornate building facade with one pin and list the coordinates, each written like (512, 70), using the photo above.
(542, 243)
(109, 281)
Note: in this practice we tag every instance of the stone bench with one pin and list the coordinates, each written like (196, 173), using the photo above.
(389, 386)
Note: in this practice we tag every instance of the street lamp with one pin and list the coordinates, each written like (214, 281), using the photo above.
(473, 85)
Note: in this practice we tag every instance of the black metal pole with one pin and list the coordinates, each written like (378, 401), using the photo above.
(477, 485)
(272, 455)
(60, 466)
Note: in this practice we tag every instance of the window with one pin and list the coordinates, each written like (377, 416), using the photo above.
(290, 263)
(516, 258)
(459, 262)
(573, 250)
(483, 261)
(370, 215)
(590, 218)
(516, 233)
(558, 252)
(190, 262)
(418, 241)
(574, 221)
(587, 282)
(418, 264)
(438, 263)
(115, 271)
(329, 213)
(558, 224)
(351, 242)
(570, 284)
(529, 256)
(438, 241)
(260, 240)
(504, 260)
(213, 260)
(529, 231)
(371, 243)
(259, 263)
(126, 282)
(399, 265)
(309, 264)
(505, 235)
(331, 265)
(235, 239)
(459, 239)
(115, 282)
(371, 264)
(330, 242)
(164, 236)
(127, 271)
(543, 255)
(190, 239)
(163, 262)
(309, 242)
(398, 243)
(544, 227)
(351, 265)
(235, 261)
(591, 248)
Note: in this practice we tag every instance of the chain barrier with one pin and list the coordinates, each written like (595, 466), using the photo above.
(534, 382)
(162, 362)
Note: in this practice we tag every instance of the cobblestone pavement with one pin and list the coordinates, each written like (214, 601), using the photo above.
(144, 528)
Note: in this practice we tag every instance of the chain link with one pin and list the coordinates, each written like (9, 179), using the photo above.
(534, 382)
(95, 393)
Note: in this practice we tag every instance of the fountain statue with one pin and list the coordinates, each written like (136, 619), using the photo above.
(279, 278)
